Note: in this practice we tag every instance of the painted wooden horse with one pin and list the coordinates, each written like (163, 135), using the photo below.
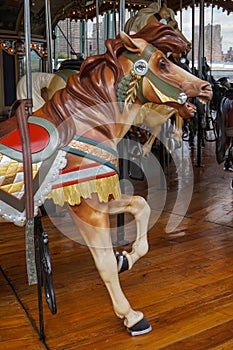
(91, 114)
(155, 13)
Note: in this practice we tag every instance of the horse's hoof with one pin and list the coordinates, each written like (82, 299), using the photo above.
(122, 262)
(142, 327)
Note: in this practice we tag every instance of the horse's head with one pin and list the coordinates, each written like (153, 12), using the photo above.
(155, 13)
(156, 79)
(167, 16)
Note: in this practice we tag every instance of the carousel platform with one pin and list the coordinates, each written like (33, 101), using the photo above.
(184, 285)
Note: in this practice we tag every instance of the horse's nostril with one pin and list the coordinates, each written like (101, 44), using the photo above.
(206, 87)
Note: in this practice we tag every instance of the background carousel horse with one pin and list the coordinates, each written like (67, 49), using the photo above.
(155, 13)
(92, 113)
(224, 128)
(44, 85)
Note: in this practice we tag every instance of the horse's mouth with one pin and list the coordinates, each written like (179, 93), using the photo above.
(191, 107)
(188, 109)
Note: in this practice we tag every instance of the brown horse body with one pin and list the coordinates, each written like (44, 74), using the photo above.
(88, 109)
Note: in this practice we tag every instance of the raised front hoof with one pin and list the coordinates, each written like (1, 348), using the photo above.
(142, 327)
(122, 262)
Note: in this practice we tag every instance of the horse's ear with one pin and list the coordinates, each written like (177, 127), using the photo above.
(132, 44)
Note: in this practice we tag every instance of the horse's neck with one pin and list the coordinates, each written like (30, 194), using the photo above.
(126, 119)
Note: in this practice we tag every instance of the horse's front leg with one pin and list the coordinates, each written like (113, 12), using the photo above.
(92, 219)
(138, 207)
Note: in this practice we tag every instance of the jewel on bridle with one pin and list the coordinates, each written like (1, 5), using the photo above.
(182, 98)
(140, 67)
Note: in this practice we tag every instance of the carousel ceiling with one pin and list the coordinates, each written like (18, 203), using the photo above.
(11, 11)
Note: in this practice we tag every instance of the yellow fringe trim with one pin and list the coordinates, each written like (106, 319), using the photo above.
(72, 194)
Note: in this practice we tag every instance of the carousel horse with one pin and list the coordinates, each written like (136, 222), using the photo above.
(44, 85)
(224, 127)
(91, 114)
(155, 13)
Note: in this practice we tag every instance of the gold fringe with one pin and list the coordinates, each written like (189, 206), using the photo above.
(72, 194)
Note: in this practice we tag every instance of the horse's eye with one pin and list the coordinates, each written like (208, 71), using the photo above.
(163, 64)
(175, 26)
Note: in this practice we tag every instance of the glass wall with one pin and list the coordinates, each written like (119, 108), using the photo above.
(81, 37)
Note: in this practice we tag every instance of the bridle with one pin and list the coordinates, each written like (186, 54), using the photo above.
(166, 91)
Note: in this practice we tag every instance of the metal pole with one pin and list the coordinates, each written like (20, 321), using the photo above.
(211, 35)
(193, 36)
(48, 36)
(201, 40)
(181, 14)
(97, 27)
(67, 41)
(122, 14)
(200, 65)
(114, 19)
(86, 38)
(27, 30)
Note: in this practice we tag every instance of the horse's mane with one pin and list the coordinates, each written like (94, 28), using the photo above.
(135, 23)
(93, 87)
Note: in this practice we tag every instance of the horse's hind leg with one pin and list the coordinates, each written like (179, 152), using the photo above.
(138, 207)
(94, 227)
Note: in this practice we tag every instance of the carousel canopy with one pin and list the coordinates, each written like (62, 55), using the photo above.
(11, 11)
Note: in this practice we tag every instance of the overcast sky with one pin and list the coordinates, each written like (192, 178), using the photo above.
(219, 17)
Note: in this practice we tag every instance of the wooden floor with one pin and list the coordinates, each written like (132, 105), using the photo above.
(184, 285)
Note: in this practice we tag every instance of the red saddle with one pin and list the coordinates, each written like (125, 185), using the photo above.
(39, 138)
(44, 140)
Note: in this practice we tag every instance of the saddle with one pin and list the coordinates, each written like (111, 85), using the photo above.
(21, 183)
(44, 140)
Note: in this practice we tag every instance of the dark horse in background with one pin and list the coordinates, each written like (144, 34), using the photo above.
(224, 128)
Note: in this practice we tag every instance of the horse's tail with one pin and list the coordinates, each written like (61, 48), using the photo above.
(39, 81)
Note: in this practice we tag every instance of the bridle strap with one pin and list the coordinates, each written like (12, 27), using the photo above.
(167, 88)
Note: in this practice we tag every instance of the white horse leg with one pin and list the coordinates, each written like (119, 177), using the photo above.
(94, 227)
(138, 207)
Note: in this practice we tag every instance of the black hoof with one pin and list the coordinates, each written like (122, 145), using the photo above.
(122, 262)
(142, 327)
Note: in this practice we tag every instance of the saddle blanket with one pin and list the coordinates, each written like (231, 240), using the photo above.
(72, 184)
(67, 185)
